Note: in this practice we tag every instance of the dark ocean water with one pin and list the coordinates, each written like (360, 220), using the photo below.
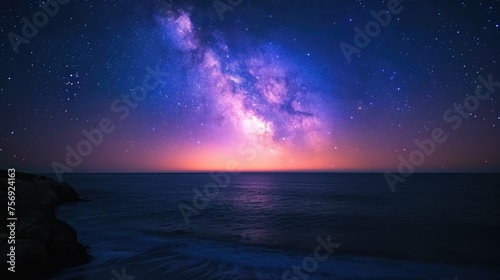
(435, 226)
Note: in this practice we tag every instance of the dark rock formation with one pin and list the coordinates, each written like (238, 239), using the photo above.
(44, 244)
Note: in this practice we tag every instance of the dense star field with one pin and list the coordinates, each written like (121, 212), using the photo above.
(263, 85)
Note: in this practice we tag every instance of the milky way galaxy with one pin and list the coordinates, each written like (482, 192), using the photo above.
(252, 96)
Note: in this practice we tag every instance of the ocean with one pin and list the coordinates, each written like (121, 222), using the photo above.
(286, 226)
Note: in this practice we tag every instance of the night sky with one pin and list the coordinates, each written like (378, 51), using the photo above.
(263, 85)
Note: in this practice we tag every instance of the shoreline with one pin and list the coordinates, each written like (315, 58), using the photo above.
(43, 244)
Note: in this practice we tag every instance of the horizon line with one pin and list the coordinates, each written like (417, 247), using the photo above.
(274, 171)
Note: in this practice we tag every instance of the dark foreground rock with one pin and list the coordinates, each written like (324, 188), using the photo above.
(43, 243)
